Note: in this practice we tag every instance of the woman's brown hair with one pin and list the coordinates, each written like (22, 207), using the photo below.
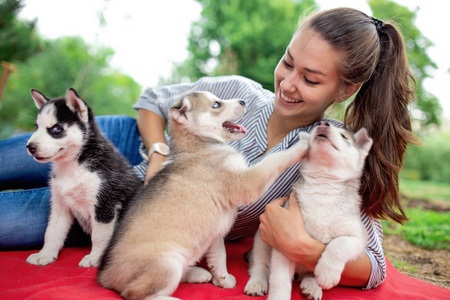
(374, 55)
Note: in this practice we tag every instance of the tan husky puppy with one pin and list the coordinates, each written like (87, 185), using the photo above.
(186, 209)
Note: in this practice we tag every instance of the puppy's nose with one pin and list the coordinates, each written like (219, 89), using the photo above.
(242, 102)
(324, 123)
(32, 148)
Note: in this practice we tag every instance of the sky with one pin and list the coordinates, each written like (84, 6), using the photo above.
(148, 36)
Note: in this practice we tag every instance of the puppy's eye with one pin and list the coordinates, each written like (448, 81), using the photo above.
(343, 135)
(217, 104)
(55, 129)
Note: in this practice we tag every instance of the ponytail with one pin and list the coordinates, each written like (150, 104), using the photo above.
(381, 106)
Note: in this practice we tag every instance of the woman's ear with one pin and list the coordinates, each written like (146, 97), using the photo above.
(351, 89)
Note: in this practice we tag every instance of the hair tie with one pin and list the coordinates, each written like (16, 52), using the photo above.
(378, 23)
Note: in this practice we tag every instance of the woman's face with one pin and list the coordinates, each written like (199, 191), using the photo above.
(306, 79)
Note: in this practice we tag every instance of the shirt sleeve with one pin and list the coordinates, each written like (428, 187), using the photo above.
(160, 99)
(374, 251)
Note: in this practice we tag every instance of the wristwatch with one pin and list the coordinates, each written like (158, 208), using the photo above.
(161, 148)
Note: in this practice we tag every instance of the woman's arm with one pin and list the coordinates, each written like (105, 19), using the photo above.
(284, 230)
(151, 127)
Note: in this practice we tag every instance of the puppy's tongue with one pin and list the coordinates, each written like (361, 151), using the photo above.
(233, 127)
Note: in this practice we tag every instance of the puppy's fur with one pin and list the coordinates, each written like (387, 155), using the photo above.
(187, 208)
(90, 181)
(328, 195)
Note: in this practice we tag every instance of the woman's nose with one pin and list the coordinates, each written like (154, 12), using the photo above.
(288, 84)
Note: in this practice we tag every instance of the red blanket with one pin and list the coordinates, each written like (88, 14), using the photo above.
(65, 280)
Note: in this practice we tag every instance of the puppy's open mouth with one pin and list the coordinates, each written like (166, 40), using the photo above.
(325, 137)
(234, 128)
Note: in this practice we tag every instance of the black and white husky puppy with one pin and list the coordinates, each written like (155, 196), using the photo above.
(90, 181)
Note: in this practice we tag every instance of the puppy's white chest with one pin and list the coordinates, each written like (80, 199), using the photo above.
(77, 188)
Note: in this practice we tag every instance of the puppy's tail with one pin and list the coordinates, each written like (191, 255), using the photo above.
(154, 278)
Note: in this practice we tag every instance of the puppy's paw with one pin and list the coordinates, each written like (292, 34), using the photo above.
(328, 276)
(311, 289)
(226, 282)
(197, 275)
(304, 137)
(41, 258)
(89, 261)
(303, 143)
(256, 287)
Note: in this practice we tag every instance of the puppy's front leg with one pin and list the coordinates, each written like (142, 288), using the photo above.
(258, 283)
(216, 257)
(281, 273)
(332, 261)
(59, 223)
(259, 177)
(101, 234)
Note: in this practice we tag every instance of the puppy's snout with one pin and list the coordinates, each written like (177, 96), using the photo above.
(242, 102)
(324, 123)
(32, 148)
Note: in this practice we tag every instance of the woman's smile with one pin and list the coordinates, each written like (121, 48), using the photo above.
(286, 98)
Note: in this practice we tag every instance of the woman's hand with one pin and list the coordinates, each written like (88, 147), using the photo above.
(154, 165)
(284, 229)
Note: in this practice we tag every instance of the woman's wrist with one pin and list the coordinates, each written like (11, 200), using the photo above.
(155, 164)
(307, 252)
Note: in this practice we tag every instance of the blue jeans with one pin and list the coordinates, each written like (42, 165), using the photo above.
(24, 212)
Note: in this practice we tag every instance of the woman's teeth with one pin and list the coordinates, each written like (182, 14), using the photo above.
(287, 99)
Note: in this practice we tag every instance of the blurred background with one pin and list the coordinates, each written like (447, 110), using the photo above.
(109, 50)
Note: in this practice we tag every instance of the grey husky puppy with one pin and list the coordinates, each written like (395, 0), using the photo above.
(188, 207)
(328, 195)
(90, 181)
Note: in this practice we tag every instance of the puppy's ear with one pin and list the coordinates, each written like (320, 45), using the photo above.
(39, 98)
(76, 104)
(363, 140)
(178, 111)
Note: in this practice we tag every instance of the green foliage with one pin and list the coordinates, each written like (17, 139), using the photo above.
(429, 161)
(67, 62)
(19, 39)
(246, 37)
(402, 266)
(427, 229)
(426, 190)
(417, 45)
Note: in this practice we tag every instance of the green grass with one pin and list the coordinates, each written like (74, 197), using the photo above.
(402, 265)
(432, 191)
(427, 229)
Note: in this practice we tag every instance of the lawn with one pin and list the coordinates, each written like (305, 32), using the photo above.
(427, 229)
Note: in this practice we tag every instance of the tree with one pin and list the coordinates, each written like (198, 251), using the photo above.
(416, 44)
(19, 40)
(67, 62)
(245, 37)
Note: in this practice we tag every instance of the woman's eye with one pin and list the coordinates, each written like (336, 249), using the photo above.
(217, 104)
(286, 64)
(310, 82)
(56, 129)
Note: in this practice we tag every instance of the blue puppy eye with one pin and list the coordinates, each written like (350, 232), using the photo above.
(55, 129)
(217, 104)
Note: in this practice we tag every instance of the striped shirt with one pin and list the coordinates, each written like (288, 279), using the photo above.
(259, 107)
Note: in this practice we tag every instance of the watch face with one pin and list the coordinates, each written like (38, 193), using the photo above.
(161, 148)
